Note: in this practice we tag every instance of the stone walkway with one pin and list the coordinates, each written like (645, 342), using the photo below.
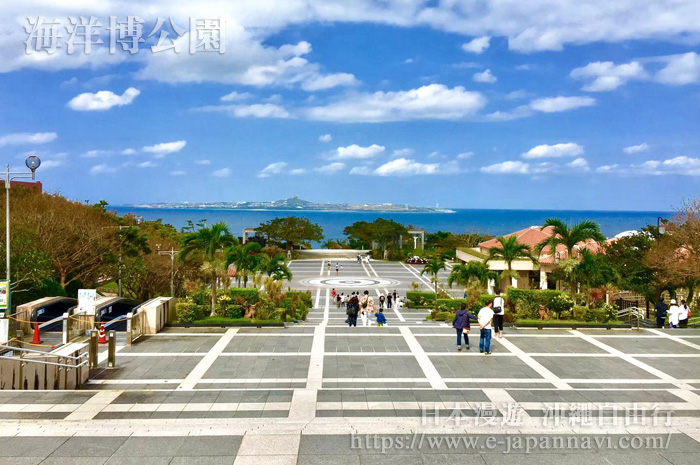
(323, 393)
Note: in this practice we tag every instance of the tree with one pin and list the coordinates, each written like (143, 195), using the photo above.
(509, 251)
(291, 230)
(246, 258)
(468, 273)
(276, 267)
(592, 271)
(433, 267)
(569, 237)
(207, 243)
(384, 232)
(627, 257)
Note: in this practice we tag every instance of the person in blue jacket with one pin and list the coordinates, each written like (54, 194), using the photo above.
(381, 319)
(461, 325)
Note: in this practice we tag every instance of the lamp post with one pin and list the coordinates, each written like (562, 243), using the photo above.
(32, 163)
(172, 252)
(660, 225)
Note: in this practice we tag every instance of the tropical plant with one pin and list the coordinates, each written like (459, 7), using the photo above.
(246, 258)
(291, 230)
(592, 271)
(276, 267)
(569, 237)
(207, 243)
(509, 251)
(469, 272)
(432, 268)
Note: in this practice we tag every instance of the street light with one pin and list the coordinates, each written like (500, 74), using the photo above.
(172, 252)
(661, 225)
(32, 163)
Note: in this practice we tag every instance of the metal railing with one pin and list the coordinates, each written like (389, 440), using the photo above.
(56, 371)
(136, 322)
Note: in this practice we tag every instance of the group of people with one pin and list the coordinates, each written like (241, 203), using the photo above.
(677, 314)
(490, 320)
(364, 307)
(338, 267)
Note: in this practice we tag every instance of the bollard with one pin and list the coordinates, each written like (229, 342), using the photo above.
(20, 378)
(92, 348)
(112, 349)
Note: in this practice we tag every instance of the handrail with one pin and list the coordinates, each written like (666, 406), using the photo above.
(44, 362)
(22, 349)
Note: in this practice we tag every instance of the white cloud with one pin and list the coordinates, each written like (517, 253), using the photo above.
(256, 110)
(48, 164)
(517, 94)
(607, 168)
(402, 152)
(221, 173)
(569, 149)
(161, 150)
(465, 155)
(27, 138)
(485, 77)
(558, 104)
(362, 170)
(680, 166)
(203, 162)
(297, 171)
(680, 70)
(407, 167)
(236, 96)
(329, 81)
(507, 167)
(147, 164)
(434, 101)
(102, 100)
(103, 169)
(632, 149)
(325, 138)
(331, 168)
(178, 173)
(128, 152)
(272, 169)
(606, 75)
(579, 164)
(358, 152)
(477, 45)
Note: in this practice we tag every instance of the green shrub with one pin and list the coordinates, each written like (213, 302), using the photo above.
(561, 303)
(201, 297)
(245, 296)
(536, 297)
(579, 313)
(565, 315)
(187, 312)
(444, 316)
(421, 299)
(234, 311)
(456, 304)
(408, 303)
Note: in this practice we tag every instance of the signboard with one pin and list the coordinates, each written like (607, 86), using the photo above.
(4, 295)
(86, 301)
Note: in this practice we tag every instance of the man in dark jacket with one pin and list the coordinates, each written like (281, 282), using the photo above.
(460, 324)
(661, 311)
(353, 308)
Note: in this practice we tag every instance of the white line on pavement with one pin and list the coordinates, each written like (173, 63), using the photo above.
(203, 366)
(535, 365)
(423, 360)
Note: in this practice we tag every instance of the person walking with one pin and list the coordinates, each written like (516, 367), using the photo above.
(389, 298)
(381, 319)
(661, 311)
(339, 300)
(395, 295)
(499, 308)
(366, 308)
(685, 314)
(462, 325)
(333, 293)
(353, 307)
(485, 317)
(337, 268)
(381, 301)
(329, 267)
(674, 313)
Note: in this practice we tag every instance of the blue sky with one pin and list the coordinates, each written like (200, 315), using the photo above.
(538, 104)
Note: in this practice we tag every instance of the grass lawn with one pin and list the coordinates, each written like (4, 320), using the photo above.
(534, 321)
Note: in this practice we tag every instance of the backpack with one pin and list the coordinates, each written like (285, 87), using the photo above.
(350, 311)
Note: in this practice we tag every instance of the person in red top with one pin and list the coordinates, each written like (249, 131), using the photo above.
(333, 293)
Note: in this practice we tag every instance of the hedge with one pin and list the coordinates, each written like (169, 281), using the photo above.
(421, 299)
(456, 304)
(188, 312)
(249, 295)
(532, 297)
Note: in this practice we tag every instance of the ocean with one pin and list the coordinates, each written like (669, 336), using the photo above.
(495, 222)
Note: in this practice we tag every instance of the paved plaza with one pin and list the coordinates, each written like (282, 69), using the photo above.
(322, 393)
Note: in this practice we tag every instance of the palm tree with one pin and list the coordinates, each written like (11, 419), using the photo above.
(207, 243)
(569, 237)
(276, 267)
(469, 272)
(433, 267)
(246, 258)
(592, 271)
(509, 251)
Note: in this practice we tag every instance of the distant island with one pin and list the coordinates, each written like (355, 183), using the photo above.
(296, 204)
